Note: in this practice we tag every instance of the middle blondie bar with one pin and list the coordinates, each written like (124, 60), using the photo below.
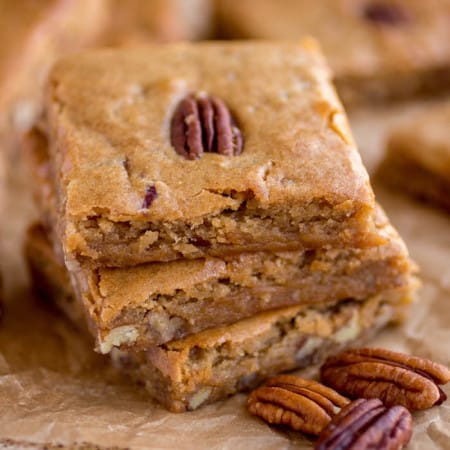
(188, 150)
(156, 303)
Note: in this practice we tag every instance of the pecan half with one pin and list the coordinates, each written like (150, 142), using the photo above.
(204, 124)
(365, 424)
(395, 378)
(303, 405)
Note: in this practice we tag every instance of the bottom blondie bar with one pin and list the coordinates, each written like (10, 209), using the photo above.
(213, 364)
(418, 156)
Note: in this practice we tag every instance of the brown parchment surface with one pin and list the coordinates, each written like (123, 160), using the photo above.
(54, 391)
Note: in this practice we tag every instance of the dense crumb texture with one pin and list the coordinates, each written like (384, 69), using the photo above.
(156, 303)
(418, 157)
(203, 368)
(213, 364)
(299, 182)
(377, 48)
(34, 34)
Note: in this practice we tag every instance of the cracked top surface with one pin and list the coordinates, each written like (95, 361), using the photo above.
(360, 37)
(109, 114)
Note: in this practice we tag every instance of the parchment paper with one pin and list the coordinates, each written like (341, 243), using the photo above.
(55, 390)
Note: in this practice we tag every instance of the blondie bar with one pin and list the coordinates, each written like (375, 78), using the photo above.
(418, 156)
(377, 49)
(155, 303)
(188, 373)
(33, 35)
(187, 150)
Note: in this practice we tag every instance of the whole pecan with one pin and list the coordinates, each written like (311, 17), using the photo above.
(367, 424)
(303, 405)
(204, 124)
(395, 378)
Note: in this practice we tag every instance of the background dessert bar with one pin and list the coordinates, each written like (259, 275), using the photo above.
(33, 35)
(377, 49)
(417, 157)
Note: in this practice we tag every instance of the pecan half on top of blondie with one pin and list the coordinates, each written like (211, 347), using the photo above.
(418, 156)
(377, 49)
(186, 150)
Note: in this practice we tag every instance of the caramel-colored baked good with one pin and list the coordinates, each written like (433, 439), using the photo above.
(155, 303)
(417, 159)
(138, 21)
(33, 35)
(378, 49)
(211, 365)
(127, 195)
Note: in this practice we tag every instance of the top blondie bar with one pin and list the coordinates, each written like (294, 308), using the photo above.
(186, 150)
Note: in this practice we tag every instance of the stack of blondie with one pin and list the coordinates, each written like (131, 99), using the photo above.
(204, 211)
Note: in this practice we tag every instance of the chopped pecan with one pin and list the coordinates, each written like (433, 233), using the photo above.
(304, 405)
(365, 424)
(395, 378)
(150, 195)
(204, 124)
(386, 14)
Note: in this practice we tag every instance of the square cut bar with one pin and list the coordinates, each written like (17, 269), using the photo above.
(418, 156)
(377, 49)
(33, 34)
(125, 196)
(155, 303)
(205, 367)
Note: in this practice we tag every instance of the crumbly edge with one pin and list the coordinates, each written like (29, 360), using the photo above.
(405, 174)
(276, 281)
(188, 377)
(246, 229)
